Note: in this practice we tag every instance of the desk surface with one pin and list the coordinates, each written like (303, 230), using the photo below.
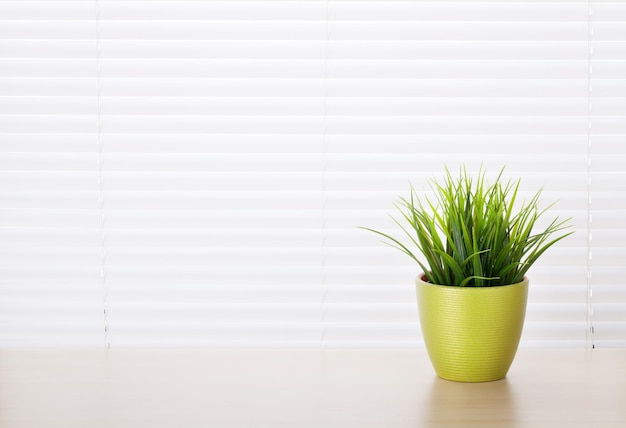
(304, 389)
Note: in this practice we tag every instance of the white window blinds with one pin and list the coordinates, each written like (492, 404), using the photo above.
(192, 173)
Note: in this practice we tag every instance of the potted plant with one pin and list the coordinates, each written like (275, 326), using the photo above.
(477, 245)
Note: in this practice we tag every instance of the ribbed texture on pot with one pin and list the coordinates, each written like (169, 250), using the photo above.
(472, 333)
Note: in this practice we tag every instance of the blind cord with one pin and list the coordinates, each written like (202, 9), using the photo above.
(324, 166)
(590, 328)
(99, 162)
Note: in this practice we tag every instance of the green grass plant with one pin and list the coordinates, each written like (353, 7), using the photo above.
(471, 233)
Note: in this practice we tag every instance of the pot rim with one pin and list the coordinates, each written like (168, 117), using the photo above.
(421, 278)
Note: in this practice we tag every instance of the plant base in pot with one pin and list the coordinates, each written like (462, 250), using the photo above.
(471, 333)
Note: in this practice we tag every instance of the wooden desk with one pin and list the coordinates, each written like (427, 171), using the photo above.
(304, 389)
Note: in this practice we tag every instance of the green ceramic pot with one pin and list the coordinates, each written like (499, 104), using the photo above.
(471, 333)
